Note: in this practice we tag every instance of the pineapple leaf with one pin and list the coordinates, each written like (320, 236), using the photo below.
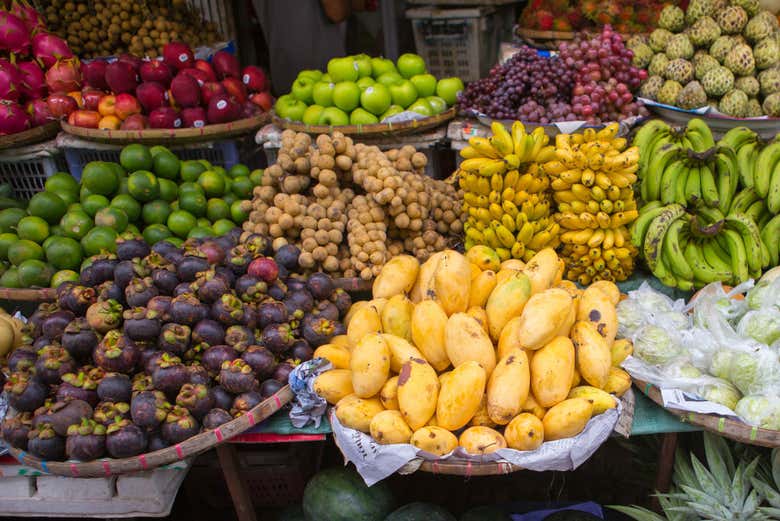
(638, 513)
(669, 503)
(771, 513)
(751, 504)
(708, 483)
(719, 459)
(683, 473)
(776, 466)
(769, 493)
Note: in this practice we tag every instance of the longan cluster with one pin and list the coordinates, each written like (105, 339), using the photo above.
(367, 237)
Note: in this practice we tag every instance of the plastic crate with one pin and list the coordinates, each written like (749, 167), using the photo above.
(27, 173)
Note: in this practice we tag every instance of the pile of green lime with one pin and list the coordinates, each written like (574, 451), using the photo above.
(149, 193)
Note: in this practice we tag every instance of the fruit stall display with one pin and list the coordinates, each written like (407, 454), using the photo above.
(566, 15)
(150, 192)
(715, 53)
(151, 345)
(359, 90)
(467, 342)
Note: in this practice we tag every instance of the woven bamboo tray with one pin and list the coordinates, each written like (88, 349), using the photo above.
(544, 39)
(190, 447)
(170, 136)
(31, 136)
(726, 427)
(377, 129)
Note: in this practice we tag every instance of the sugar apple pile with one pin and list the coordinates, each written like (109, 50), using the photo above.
(723, 53)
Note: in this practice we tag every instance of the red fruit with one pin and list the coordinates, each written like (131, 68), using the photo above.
(39, 112)
(223, 108)
(152, 95)
(10, 80)
(262, 100)
(134, 122)
(250, 110)
(64, 75)
(156, 70)
(61, 105)
(132, 60)
(254, 78)
(164, 117)
(48, 48)
(121, 77)
(193, 117)
(15, 37)
(84, 118)
(13, 118)
(91, 98)
(185, 90)
(126, 105)
(94, 74)
(209, 90)
(235, 88)
(545, 20)
(263, 268)
(206, 67)
(178, 55)
(226, 65)
(197, 74)
(27, 13)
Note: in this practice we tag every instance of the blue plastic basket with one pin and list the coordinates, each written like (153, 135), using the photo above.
(27, 174)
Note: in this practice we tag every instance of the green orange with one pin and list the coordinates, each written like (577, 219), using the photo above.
(136, 157)
(99, 239)
(35, 273)
(93, 203)
(63, 276)
(33, 229)
(181, 222)
(199, 232)
(155, 233)
(23, 250)
(193, 202)
(238, 170)
(166, 165)
(222, 227)
(10, 278)
(156, 212)
(9, 218)
(238, 213)
(242, 187)
(212, 183)
(48, 206)
(6, 240)
(64, 253)
(191, 170)
(62, 182)
(76, 224)
(127, 204)
(112, 217)
(169, 190)
(99, 177)
(143, 186)
(217, 209)
(257, 176)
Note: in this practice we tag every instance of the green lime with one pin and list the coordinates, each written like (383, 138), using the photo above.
(238, 170)
(76, 224)
(257, 176)
(99, 239)
(63, 276)
(62, 182)
(63, 253)
(76, 207)
(123, 189)
(49, 240)
(212, 183)
(191, 170)
(56, 231)
(133, 229)
(228, 184)
(217, 209)
(181, 222)
(206, 164)
(68, 197)
(35, 273)
(193, 203)
(242, 187)
(143, 186)
(166, 165)
(202, 221)
(156, 212)
(238, 213)
(135, 157)
(111, 217)
(169, 190)
(220, 170)
(6, 240)
(10, 278)
(127, 204)
(93, 203)
(189, 186)
(23, 250)
(155, 233)
(118, 170)
(200, 232)
(229, 198)
(48, 206)
(175, 241)
(9, 218)
(33, 229)
(222, 227)
(99, 177)
(158, 149)
(84, 193)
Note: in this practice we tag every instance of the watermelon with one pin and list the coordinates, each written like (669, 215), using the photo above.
(419, 511)
(341, 495)
(485, 513)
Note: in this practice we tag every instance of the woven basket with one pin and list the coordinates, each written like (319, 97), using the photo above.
(544, 39)
(31, 136)
(376, 129)
(28, 294)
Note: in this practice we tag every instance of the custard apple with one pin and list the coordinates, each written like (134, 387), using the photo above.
(658, 65)
(718, 81)
(740, 60)
(692, 96)
(748, 84)
(769, 79)
(697, 9)
(668, 92)
(704, 32)
(732, 19)
(758, 28)
(642, 55)
(636, 39)
(672, 18)
(771, 106)
(753, 109)
(721, 46)
(679, 70)
(734, 103)
(766, 53)
(650, 87)
(702, 63)
(658, 39)
(679, 46)
(770, 18)
(751, 7)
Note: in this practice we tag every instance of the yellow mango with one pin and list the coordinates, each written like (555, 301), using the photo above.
(524, 432)
(481, 440)
(618, 381)
(532, 406)
(397, 276)
(356, 413)
(432, 422)
(596, 307)
(434, 440)
(452, 282)
(480, 315)
(334, 385)
(424, 288)
(389, 394)
(428, 325)
(541, 269)
(465, 340)
(599, 399)
(570, 287)
(542, 318)
(400, 351)
(575, 378)
(389, 427)
(566, 419)
(370, 365)
(621, 349)
(379, 305)
(336, 355)
(484, 257)
(365, 320)
(509, 338)
(507, 301)
(418, 391)
(504, 274)
(551, 371)
(609, 288)
(481, 287)
(512, 264)
(354, 308)
(475, 271)
(396, 317)
(342, 341)
(559, 274)
(460, 395)
(571, 318)
(593, 355)
(507, 389)
(481, 417)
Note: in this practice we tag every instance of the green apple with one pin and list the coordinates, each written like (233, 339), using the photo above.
(287, 107)
(322, 93)
(424, 83)
(342, 69)
(326, 78)
(449, 88)
(302, 89)
(333, 116)
(363, 63)
(438, 105)
(346, 95)
(389, 78)
(313, 74)
(361, 116)
(365, 82)
(376, 99)
(421, 106)
(392, 111)
(312, 114)
(410, 65)
(380, 66)
(403, 93)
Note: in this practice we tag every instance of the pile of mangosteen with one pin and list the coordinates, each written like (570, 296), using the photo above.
(152, 345)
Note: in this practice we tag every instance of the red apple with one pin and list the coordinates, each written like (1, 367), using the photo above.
(164, 117)
(156, 70)
(199, 76)
(193, 117)
(91, 98)
(263, 268)
(223, 108)
(209, 90)
(262, 99)
(84, 118)
(235, 88)
(134, 122)
(186, 90)
(151, 95)
(107, 105)
(254, 78)
(61, 105)
(207, 68)
(126, 105)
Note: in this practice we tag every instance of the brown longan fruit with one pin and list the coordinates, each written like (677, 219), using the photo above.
(275, 230)
(335, 236)
(319, 254)
(309, 244)
(286, 221)
(306, 260)
(331, 263)
(321, 236)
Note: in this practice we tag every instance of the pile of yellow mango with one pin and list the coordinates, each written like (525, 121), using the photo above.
(504, 354)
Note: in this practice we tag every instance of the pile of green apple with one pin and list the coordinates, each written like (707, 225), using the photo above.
(359, 90)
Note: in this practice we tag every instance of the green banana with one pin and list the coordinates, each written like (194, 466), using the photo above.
(651, 183)
(673, 249)
(693, 185)
(751, 237)
(770, 235)
(679, 186)
(715, 256)
(743, 200)
(737, 137)
(737, 254)
(756, 210)
(640, 226)
(727, 177)
(703, 272)
(746, 158)
(764, 168)
(669, 179)
(773, 198)
(709, 191)
(699, 134)
(655, 234)
(652, 131)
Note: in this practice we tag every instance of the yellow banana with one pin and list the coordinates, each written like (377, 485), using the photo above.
(581, 192)
(598, 194)
(482, 186)
(606, 206)
(620, 239)
(602, 181)
(503, 254)
(558, 184)
(475, 235)
(609, 132)
(509, 222)
(494, 197)
(469, 152)
(483, 215)
(490, 238)
(578, 237)
(501, 139)
(509, 208)
(596, 239)
(623, 218)
(512, 161)
(474, 164)
(483, 146)
(571, 176)
(613, 193)
(493, 166)
(554, 167)
(578, 206)
(520, 220)
(524, 182)
(589, 134)
(540, 240)
(496, 211)
(603, 220)
(565, 208)
(566, 196)
(496, 182)
(518, 249)
(511, 178)
(546, 154)
(520, 197)
(504, 236)
(508, 194)
(518, 135)
(525, 233)
(588, 177)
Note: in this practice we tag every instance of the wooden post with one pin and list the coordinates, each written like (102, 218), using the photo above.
(242, 502)
(663, 476)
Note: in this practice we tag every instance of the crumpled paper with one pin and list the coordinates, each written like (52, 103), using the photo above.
(308, 405)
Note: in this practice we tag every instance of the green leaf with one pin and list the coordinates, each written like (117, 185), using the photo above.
(638, 513)
(683, 473)
(770, 494)
(708, 483)
(772, 513)
(719, 459)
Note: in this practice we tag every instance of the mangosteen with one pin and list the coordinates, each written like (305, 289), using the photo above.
(62, 415)
(190, 266)
(198, 374)
(216, 417)
(222, 398)
(128, 249)
(342, 300)
(298, 300)
(194, 353)
(64, 288)
(213, 357)
(45, 444)
(86, 441)
(209, 286)
(53, 326)
(16, 429)
(271, 313)
(125, 439)
(87, 277)
(245, 402)
(163, 247)
(77, 299)
(156, 442)
(141, 324)
(103, 268)
(258, 244)
(40, 343)
(169, 374)
(237, 377)
(127, 270)
(174, 338)
(239, 337)
(81, 385)
(269, 388)
(104, 316)
(326, 309)
(278, 337)
(282, 372)
(179, 426)
(296, 283)
(147, 360)
(162, 305)
(235, 234)
(277, 290)
(224, 242)
(320, 285)
(115, 387)
(110, 290)
(209, 332)
(318, 330)
(165, 280)
(142, 382)
(140, 291)
(40, 314)
(261, 360)
(107, 413)
(214, 251)
(251, 289)
(53, 362)
(287, 256)
(229, 310)
(79, 339)
(226, 274)
(196, 399)
(182, 289)
(238, 259)
(22, 358)
(301, 351)
(149, 408)
(116, 353)
(187, 309)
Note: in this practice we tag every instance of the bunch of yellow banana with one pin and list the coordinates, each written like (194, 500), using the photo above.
(506, 193)
(592, 177)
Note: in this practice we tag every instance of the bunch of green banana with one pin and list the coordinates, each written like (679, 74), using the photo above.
(654, 134)
(746, 146)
